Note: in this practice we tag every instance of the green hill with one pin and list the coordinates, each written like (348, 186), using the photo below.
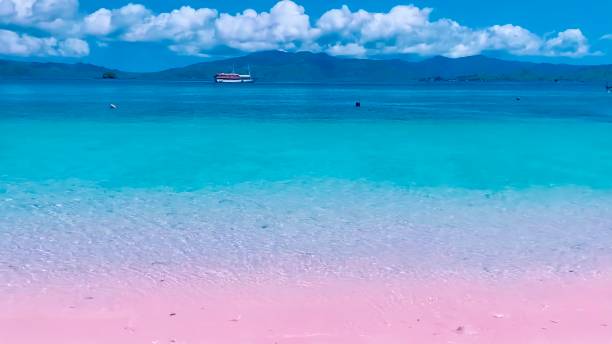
(277, 66)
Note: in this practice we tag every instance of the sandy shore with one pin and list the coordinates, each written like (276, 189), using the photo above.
(574, 310)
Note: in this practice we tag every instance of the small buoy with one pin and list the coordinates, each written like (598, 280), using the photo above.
(518, 99)
(113, 106)
(357, 104)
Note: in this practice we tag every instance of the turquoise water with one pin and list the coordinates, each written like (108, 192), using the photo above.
(294, 180)
(186, 136)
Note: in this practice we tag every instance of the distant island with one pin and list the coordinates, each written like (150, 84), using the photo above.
(307, 67)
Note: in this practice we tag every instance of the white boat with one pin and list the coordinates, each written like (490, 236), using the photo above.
(233, 78)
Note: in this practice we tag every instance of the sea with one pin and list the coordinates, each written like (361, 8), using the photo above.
(240, 183)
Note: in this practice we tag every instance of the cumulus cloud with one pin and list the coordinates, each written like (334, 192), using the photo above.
(12, 43)
(104, 21)
(571, 43)
(31, 12)
(286, 26)
(72, 47)
(404, 29)
(409, 30)
(365, 26)
(54, 16)
(99, 22)
(183, 24)
(351, 49)
(514, 39)
(192, 31)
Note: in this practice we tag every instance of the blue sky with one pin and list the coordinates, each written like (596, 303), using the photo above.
(152, 35)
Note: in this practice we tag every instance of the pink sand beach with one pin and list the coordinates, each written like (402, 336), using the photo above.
(570, 310)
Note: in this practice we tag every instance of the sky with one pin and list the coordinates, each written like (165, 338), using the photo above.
(158, 34)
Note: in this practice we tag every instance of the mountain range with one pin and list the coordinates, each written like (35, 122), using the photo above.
(307, 67)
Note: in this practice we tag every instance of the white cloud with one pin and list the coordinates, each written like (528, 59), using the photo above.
(192, 31)
(286, 26)
(351, 49)
(52, 8)
(54, 16)
(99, 22)
(404, 29)
(31, 12)
(104, 21)
(183, 24)
(130, 14)
(198, 31)
(7, 8)
(12, 43)
(367, 27)
(409, 30)
(607, 36)
(72, 47)
(570, 43)
(513, 39)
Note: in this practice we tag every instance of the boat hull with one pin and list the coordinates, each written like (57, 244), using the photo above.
(241, 81)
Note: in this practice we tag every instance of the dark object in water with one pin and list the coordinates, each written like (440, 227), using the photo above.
(518, 99)
(357, 104)
(109, 75)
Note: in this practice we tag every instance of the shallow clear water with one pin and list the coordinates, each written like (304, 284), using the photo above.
(189, 179)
